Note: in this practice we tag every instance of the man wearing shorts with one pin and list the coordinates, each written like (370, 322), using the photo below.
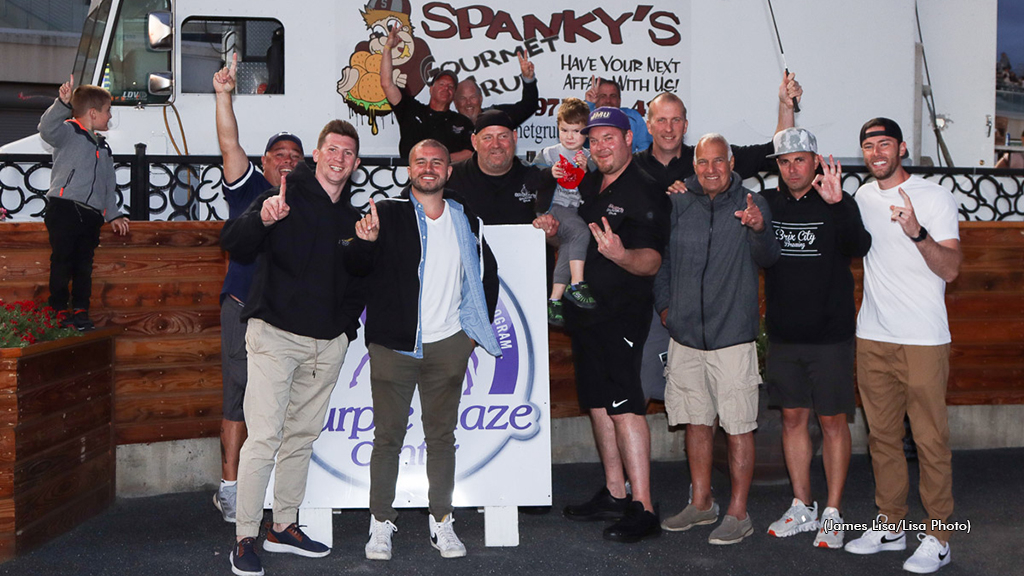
(706, 294)
(625, 212)
(810, 322)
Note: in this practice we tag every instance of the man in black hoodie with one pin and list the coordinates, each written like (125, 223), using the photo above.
(302, 312)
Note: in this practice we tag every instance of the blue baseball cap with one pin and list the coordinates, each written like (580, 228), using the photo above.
(282, 136)
(607, 116)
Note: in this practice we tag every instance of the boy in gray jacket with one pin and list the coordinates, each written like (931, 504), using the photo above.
(82, 194)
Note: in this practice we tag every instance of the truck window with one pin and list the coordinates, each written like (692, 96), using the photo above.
(89, 45)
(130, 61)
(208, 43)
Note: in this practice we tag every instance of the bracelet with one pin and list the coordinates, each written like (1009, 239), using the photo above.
(921, 235)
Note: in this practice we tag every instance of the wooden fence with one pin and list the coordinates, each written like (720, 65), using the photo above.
(161, 285)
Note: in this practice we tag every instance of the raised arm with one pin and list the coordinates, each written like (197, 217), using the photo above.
(387, 81)
(52, 121)
(236, 163)
(788, 90)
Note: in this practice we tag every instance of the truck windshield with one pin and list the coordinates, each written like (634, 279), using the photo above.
(92, 38)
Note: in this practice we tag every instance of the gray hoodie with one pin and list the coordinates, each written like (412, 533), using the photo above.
(708, 275)
(83, 165)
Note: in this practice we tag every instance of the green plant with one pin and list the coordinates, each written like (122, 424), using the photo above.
(24, 323)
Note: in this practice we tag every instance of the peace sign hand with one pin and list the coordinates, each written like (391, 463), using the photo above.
(609, 244)
(275, 208)
(369, 227)
(525, 66)
(751, 217)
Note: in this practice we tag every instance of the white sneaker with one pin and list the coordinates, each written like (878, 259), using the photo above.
(830, 535)
(378, 547)
(442, 537)
(929, 556)
(799, 518)
(873, 541)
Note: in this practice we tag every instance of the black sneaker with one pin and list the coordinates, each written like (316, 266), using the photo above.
(603, 506)
(579, 294)
(244, 560)
(292, 540)
(555, 317)
(636, 525)
(81, 320)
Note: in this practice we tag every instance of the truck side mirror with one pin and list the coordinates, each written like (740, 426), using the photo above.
(161, 31)
(160, 83)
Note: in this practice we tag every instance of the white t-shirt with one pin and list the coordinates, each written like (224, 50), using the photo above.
(904, 301)
(441, 292)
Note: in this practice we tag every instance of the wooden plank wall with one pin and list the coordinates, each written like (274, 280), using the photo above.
(57, 451)
(986, 320)
(160, 286)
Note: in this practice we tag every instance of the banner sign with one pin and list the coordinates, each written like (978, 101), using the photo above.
(503, 436)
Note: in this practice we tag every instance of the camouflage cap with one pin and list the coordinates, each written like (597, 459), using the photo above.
(794, 140)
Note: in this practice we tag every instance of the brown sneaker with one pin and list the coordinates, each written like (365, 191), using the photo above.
(691, 516)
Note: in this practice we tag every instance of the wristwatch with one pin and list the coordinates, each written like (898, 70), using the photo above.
(921, 236)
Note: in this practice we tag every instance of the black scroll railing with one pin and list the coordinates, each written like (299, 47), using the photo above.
(190, 187)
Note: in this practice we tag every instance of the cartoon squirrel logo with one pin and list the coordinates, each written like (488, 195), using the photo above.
(360, 80)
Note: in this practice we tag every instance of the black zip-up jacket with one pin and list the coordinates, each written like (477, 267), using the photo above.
(301, 284)
(809, 290)
(392, 264)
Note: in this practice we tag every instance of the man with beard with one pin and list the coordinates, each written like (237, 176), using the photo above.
(496, 185)
(810, 321)
(302, 312)
(469, 98)
(418, 121)
(242, 184)
(429, 305)
(669, 161)
(706, 294)
(626, 214)
(903, 342)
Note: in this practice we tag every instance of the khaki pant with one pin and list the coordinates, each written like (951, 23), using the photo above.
(291, 378)
(897, 380)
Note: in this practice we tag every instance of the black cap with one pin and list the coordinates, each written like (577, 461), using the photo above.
(447, 73)
(492, 117)
(283, 136)
(881, 127)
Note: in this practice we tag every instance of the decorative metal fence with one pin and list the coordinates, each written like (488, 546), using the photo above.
(190, 187)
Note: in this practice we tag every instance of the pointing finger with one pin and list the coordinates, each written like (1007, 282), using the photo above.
(284, 181)
(906, 199)
(750, 201)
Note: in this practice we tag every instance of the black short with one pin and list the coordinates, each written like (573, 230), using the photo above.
(818, 376)
(607, 359)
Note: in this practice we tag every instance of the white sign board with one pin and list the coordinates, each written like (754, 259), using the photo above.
(503, 437)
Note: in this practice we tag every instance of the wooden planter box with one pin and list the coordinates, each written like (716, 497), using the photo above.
(57, 450)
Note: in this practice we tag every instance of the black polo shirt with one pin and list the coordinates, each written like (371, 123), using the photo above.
(505, 199)
(417, 122)
(749, 161)
(638, 211)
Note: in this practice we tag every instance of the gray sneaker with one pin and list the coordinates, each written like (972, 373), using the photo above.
(731, 530)
(690, 516)
(224, 500)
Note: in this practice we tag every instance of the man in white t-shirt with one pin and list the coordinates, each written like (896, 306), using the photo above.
(903, 343)
(432, 287)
